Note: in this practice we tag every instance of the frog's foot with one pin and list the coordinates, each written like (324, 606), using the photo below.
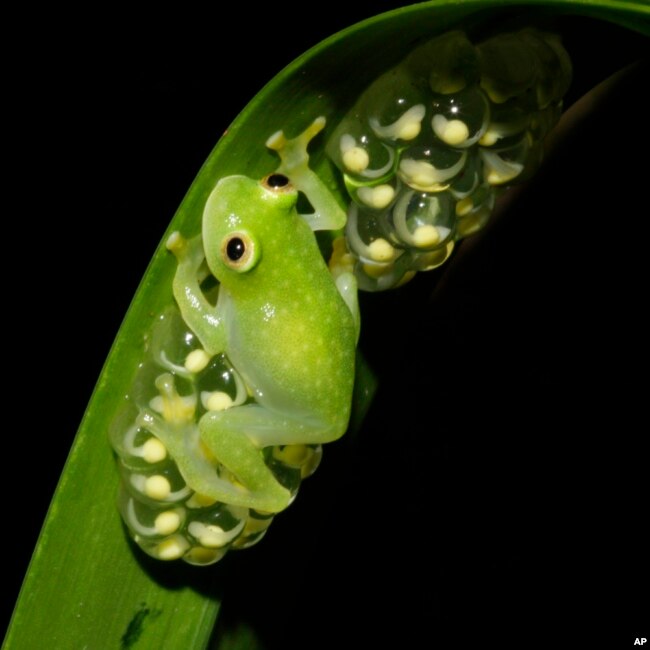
(197, 467)
(174, 408)
(341, 260)
(294, 163)
(293, 153)
(223, 436)
(237, 439)
(190, 256)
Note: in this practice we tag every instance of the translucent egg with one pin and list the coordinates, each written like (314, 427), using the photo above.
(474, 211)
(432, 168)
(394, 106)
(215, 527)
(470, 177)
(219, 378)
(359, 153)
(553, 67)
(430, 260)
(501, 165)
(157, 487)
(380, 277)
(544, 120)
(460, 119)
(369, 236)
(508, 121)
(255, 528)
(171, 341)
(449, 62)
(508, 67)
(424, 221)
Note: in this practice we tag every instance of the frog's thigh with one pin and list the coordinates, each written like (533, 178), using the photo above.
(265, 428)
(237, 436)
(183, 447)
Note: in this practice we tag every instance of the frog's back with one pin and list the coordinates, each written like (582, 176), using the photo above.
(290, 333)
(296, 342)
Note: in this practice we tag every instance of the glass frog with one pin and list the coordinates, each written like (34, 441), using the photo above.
(281, 321)
(253, 381)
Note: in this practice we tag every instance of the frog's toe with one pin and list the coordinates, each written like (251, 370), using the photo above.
(277, 141)
(176, 243)
(312, 130)
(290, 149)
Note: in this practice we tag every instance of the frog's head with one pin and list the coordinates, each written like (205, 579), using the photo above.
(241, 222)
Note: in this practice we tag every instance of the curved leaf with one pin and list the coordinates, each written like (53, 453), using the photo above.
(83, 564)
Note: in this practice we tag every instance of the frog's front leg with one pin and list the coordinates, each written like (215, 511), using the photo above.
(197, 312)
(237, 438)
(328, 214)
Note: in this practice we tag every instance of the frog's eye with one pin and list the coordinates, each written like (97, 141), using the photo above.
(277, 183)
(239, 251)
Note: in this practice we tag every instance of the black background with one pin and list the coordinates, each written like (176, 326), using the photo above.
(496, 491)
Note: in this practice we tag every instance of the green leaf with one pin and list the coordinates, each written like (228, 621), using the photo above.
(86, 586)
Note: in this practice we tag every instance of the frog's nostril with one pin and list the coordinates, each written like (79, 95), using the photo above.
(277, 181)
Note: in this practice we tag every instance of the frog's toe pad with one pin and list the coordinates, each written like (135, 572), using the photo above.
(175, 242)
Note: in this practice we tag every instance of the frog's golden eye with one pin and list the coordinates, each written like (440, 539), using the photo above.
(239, 251)
(277, 183)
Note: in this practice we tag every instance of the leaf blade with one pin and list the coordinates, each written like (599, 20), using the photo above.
(285, 95)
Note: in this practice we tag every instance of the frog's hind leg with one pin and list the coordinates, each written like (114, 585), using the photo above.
(237, 438)
(183, 443)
